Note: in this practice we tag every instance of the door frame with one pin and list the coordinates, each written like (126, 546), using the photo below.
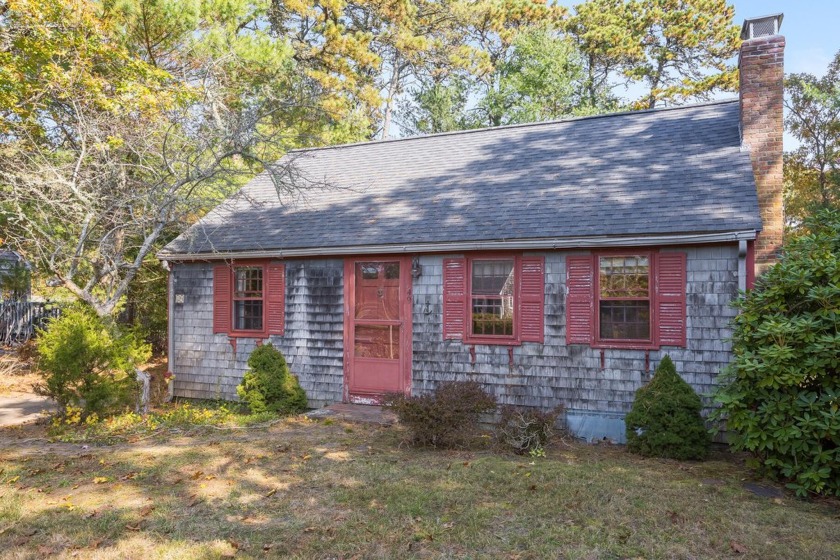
(406, 305)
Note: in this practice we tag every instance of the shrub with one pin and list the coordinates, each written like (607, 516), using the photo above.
(269, 386)
(88, 363)
(445, 418)
(665, 419)
(781, 392)
(526, 430)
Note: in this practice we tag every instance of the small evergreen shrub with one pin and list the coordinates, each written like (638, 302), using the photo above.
(780, 394)
(269, 386)
(665, 420)
(446, 418)
(87, 363)
(526, 430)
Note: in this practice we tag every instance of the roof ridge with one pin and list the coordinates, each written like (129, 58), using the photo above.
(513, 126)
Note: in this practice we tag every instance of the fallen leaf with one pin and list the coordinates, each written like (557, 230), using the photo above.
(466, 463)
(737, 547)
(234, 544)
(94, 544)
(146, 510)
(129, 476)
(210, 477)
(75, 486)
(14, 479)
(100, 480)
(309, 530)
(196, 475)
(91, 514)
(271, 492)
(133, 527)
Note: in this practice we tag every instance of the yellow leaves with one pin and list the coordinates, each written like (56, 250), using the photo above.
(101, 479)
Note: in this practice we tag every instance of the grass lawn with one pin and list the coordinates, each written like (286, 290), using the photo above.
(321, 489)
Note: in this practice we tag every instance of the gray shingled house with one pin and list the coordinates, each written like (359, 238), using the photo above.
(555, 262)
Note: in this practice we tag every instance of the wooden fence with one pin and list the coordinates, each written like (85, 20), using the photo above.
(19, 319)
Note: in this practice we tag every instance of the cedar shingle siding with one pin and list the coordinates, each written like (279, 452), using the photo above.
(543, 375)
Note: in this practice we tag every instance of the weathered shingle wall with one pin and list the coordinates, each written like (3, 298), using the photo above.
(205, 364)
(554, 373)
(541, 375)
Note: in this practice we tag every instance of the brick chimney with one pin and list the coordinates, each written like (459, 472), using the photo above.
(761, 65)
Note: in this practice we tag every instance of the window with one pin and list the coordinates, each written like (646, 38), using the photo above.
(631, 300)
(248, 298)
(492, 297)
(624, 297)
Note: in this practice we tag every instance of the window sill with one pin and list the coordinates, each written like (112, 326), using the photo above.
(629, 345)
(248, 334)
(492, 341)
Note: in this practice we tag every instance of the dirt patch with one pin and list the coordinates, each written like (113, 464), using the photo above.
(17, 374)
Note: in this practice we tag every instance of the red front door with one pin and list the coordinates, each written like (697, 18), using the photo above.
(377, 328)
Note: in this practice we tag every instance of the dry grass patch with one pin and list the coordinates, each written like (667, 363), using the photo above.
(304, 489)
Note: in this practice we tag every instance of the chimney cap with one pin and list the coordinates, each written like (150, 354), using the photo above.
(761, 26)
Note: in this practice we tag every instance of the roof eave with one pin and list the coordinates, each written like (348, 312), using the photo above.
(593, 242)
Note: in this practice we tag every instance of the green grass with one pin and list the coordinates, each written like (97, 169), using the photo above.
(304, 489)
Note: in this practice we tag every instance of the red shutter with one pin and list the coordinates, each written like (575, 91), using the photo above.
(222, 313)
(670, 299)
(579, 302)
(531, 296)
(454, 297)
(275, 298)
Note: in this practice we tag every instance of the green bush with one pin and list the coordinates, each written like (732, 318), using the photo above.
(446, 418)
(526, 430)
(269, 386)
(87, 362)
(665, 419)
(780, 396)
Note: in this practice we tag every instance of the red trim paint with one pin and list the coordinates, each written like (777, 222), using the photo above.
(750, 264)
(367, 396)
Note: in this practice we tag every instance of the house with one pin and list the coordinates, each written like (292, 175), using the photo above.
(555, 263)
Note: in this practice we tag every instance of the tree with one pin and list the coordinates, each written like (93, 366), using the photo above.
(779, 395)
(677, 49)
(107, 142)
(812, 171)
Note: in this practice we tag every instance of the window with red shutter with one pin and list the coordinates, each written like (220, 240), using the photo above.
(628, 299)
(494, 299)
(249, 299)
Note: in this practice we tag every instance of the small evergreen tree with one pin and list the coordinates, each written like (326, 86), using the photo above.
(665, 419)
(269, 386)
(88, 362)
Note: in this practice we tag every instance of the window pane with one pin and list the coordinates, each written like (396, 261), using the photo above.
(248, 281)
(378, 341)
(624, 276)
(377, 291)
(492, 297)
(625, 320)
(248, 315)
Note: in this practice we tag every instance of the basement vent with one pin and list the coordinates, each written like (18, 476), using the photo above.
(761, 27)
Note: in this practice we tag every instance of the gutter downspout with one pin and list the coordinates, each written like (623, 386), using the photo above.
(170, 331)
(742, 265)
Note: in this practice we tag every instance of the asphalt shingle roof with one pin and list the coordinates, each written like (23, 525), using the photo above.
(666, 171)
